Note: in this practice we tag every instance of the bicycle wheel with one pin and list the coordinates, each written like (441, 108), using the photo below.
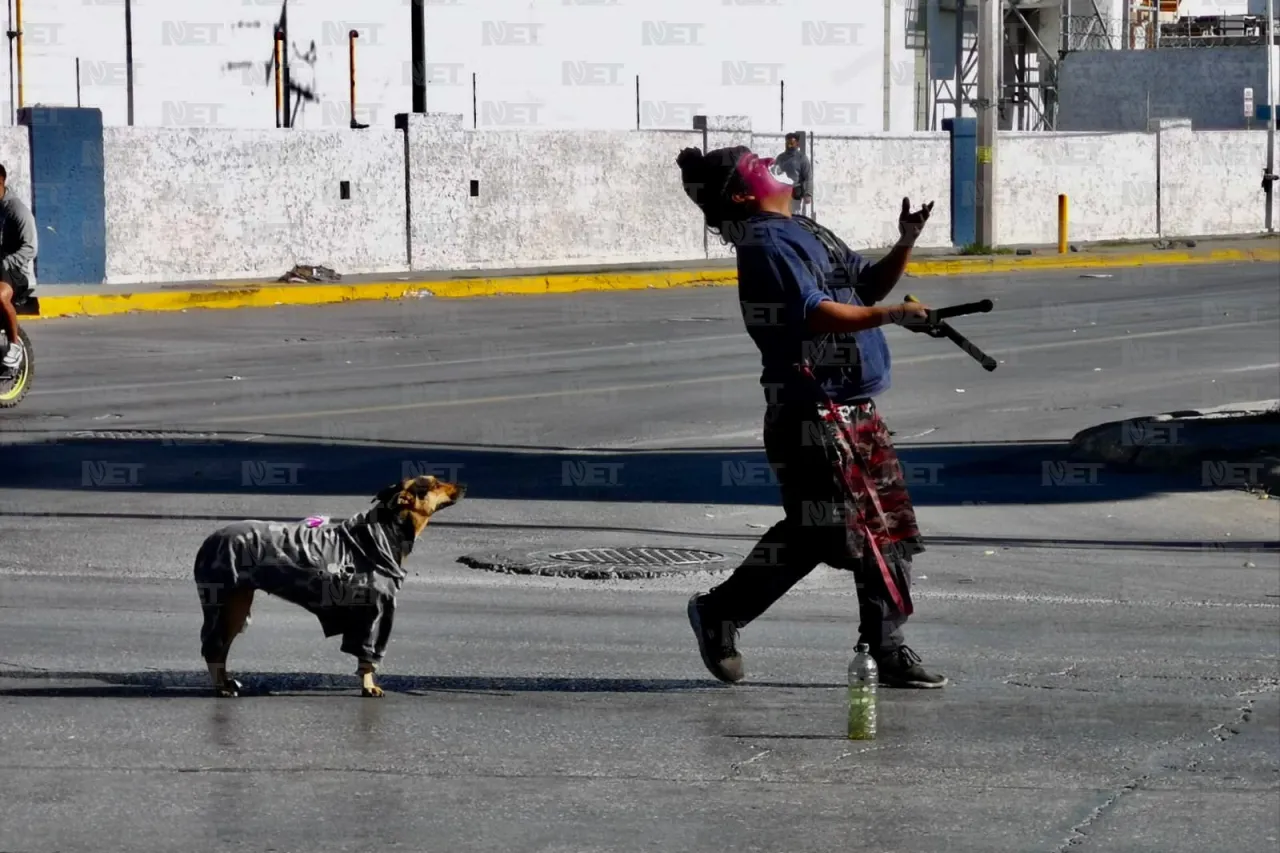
(14, 388)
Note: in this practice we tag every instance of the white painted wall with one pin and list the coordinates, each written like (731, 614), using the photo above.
(188, 204)
(552, 64)
(15, 154)
(1222, 168)
(204, 203)
(1109, 180)
(547, 197)
(860, 183)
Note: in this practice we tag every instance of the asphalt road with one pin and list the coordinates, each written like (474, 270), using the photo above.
(1112, 638)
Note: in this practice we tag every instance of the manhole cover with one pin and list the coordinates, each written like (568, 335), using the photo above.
(638, 556)
(603, 563)
(151, 435)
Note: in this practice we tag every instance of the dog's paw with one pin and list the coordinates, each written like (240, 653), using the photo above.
(373, 692)
(229, 689)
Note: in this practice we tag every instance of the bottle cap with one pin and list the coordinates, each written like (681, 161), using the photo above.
(862, 647)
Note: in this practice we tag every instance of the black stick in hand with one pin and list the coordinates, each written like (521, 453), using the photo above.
(936, 327)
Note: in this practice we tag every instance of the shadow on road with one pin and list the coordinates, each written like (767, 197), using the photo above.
(153, 684)
(937, 474)
(1247, 546)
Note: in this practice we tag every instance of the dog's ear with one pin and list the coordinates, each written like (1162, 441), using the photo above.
(385, 496)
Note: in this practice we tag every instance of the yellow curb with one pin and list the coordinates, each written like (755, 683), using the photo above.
(260, 296)
(267, 295)
(970, 266)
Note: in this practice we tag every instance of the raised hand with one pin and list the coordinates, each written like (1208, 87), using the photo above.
(910, 225)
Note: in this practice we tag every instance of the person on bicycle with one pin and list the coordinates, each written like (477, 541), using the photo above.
(814, 309)
(18, 244)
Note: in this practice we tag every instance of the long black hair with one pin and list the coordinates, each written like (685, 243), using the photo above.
(710, 181)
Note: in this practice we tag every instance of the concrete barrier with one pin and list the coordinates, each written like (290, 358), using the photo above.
(1109, 179)
(485, 199)
(1211, 180)
(203, 203)
(198, 204)
(15, 156)
(860, 181)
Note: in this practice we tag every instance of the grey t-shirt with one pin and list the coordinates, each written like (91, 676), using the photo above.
(18, 244)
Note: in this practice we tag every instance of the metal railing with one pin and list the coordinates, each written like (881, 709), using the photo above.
(1089, 32)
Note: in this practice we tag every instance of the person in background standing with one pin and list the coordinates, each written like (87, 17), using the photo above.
(795, 165)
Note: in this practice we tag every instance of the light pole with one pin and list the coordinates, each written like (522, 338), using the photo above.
(989, 14)
(418, 54)
(1269, 177)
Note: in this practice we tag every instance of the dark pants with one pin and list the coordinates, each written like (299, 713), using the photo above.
(795, 546)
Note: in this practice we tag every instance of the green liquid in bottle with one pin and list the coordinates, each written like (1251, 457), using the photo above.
(863, 681)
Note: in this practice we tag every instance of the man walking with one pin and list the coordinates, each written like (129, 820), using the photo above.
(18, 244)
(795, 165)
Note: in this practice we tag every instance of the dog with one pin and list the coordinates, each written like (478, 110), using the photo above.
(348, 574)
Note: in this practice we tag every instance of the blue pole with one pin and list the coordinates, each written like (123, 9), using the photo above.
(964, 179)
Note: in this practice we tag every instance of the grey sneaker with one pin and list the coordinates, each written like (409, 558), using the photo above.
(715, 641)
(901, 668)
(12, 361)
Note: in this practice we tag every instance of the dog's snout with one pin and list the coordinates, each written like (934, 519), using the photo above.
(461, 490)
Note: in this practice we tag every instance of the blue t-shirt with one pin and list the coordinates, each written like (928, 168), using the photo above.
(784, 273)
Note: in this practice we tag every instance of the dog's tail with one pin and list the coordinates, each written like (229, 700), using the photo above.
(205, 557)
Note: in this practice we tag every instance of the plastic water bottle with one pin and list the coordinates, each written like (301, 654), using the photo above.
(864, 678)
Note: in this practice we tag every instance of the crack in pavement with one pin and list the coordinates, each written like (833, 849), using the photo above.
(1219, 734)
(737, 766)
